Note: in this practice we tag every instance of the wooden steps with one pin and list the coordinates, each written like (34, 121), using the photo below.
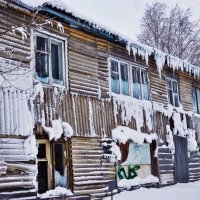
(166, 167)
(194, 166)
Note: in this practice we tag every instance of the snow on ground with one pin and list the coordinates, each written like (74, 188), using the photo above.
(58, 191)
(181, 191)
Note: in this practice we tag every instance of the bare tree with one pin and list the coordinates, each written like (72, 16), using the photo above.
(171, 31)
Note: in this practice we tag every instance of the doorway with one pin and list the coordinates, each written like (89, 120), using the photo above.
(181, 166)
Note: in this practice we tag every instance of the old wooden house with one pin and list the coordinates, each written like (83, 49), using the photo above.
(81, 106)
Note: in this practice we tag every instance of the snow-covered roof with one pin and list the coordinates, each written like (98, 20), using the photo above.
(136, 47)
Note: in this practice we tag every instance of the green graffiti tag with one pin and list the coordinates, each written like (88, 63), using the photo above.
(131, 172)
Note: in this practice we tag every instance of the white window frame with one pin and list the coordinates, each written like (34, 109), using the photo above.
(173, 80)
(141, 89)
(130, 65)
(64, 43)
(119, 61)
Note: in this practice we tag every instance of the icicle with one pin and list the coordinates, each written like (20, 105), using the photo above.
(91, 119)
(74, 113)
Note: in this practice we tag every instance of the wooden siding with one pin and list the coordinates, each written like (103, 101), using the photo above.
(103, 69)
(18, 170)
(83, 68)
(157, 84)
(185, 85)
(13, 47)
(91, 172)
(159, 123)
(14, 112)
(77, 110)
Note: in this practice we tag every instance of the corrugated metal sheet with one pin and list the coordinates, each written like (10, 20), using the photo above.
(14, 112)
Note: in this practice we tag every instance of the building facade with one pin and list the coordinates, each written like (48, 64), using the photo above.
(81, 107)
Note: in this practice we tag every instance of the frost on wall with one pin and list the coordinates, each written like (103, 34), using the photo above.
(192, 143)
(15, 116)
(30, 146)
(111, 150)
(169, 138)
(91, 119)
(178, 115)
(133, 108)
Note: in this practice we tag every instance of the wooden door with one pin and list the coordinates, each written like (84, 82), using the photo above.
(181, 160)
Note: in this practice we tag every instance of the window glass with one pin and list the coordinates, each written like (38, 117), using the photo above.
(42, 67)
(42, 177)
(124, 79)
(144, 85)
(169, 84)
(198, 100)
(170, 97)
(173, 94)
(56, 62)
(42, 44)
(176, 101)
(175, 87)
(60, 165)
(136, 82)
(49, 60)
(115, 77)
(41, 151)
(194, 100)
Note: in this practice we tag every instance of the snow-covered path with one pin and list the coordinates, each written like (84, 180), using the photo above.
(184, 191)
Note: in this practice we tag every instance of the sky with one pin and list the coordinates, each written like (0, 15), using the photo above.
(124, 16)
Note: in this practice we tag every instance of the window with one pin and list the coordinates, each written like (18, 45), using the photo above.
(196, 100)
(129, 80)
(140, 83)
(53, 162)
(119, 78)
(49, 59)
(172, 90)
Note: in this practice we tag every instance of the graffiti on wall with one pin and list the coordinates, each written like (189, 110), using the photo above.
(129, 174)
(137, 163)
